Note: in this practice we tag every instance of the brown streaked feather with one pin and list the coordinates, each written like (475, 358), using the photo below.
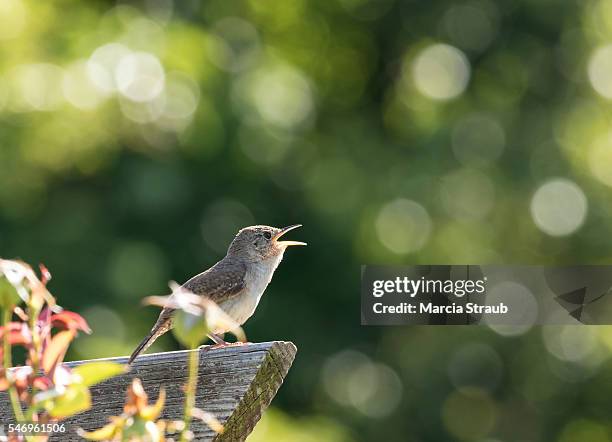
(221, 282)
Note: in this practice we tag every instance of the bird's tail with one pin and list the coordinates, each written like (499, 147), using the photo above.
(163, 324)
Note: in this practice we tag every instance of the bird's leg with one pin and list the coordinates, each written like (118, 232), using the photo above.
(219, 342)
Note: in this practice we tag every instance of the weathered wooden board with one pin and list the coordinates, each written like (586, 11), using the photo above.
(236, 384)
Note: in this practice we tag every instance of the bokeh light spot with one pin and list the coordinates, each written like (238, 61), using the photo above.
(283, 97)
(469, 414)
(142, 112)
(13, 17)
(140, 76)
(374, 389)
(600, 159)
(38, 87)
(278, 94)
(352, 379)
(559, 207)
(584, 430)
(570, 342)
(600, 71)
(180, 101)
(403, 226)
(335, 370)
(102, 64)
(522, 309)
(78, 88)
(145, 35)
(441, 72)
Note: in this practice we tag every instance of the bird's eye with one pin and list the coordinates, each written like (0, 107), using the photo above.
(267, 235)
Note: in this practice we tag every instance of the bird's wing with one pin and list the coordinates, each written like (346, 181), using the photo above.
(221, 282)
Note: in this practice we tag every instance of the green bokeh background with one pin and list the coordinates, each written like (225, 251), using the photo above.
(137, 138)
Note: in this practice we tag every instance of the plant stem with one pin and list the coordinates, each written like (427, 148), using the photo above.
(7, 361)
(190, 391)
(34, 354)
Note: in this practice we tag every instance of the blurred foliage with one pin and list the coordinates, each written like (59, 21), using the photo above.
(42, 390)
(275, 425)
(136, 138)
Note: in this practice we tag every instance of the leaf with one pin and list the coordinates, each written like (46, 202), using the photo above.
(18, 333)
(45, 274)
(209, 419)
(152, 432)
(141, 430)
(107, 432)
(195, 316)
(75, 399)
(8, 294)
(137, 398)
(189, 329)
(18, 275)
(42, 383)
(70, 321)
(152, 412)
(218, 319)
(56, 350)
(62, 375)
(94, 372)
(43, 399)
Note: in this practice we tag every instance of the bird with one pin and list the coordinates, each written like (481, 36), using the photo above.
(236, 283)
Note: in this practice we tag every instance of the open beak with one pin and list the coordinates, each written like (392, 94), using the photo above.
(288, 243)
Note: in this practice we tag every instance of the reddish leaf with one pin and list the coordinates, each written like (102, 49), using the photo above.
(11, 326)
(42, 383)
(19, 338)
(18, 334)
(45, 274)
(55, 351)
(137, 398)
(70, 321)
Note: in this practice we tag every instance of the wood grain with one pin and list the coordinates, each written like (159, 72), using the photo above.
(235, 383)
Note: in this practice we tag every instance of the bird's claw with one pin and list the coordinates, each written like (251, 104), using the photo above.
(221, 345)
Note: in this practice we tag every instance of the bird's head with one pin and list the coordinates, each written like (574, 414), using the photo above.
(256, 243)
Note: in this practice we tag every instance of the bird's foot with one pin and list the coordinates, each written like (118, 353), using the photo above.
(222, 345)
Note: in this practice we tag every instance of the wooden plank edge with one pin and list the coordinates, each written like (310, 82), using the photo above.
(262, 390)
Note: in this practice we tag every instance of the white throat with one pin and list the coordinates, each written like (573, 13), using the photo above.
(257, 278)
(260, 274)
